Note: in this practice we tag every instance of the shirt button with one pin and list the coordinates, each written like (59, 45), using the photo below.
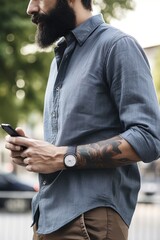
(44, 182)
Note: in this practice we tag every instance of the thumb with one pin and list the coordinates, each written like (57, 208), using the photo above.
(20, 131)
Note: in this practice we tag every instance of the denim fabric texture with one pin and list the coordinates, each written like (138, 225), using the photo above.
(99, 86)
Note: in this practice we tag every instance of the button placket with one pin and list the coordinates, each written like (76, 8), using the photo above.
(62, 66)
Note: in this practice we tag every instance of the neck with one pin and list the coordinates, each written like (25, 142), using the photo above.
(82, 14)
(80, 18)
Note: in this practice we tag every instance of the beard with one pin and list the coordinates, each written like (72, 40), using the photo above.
(57, 23)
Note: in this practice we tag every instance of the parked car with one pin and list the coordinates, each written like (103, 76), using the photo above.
(15, 195)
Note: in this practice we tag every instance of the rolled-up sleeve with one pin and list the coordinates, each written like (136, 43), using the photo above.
(132, 90)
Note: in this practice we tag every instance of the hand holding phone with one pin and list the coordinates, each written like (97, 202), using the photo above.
(10, 130)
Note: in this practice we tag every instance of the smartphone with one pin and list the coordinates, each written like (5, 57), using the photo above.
(10, 130)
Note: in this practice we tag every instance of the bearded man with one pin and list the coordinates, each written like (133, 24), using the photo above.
(101, 117)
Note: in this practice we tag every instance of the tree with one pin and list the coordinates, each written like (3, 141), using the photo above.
(23, 76)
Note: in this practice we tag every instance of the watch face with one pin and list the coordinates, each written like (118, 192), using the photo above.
(70, 161)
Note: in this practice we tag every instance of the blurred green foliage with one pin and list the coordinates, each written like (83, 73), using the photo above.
(23, 76)
(114, 9)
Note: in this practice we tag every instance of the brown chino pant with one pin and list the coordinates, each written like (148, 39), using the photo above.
(97, 224)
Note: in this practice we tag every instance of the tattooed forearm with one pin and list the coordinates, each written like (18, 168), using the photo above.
(109, 153)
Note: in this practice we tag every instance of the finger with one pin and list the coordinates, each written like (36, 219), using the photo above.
(13, 147)
(18, 161)
(21, 141)
(20, 131)
(33, 168)
(7, 138)
(25, 154)
(16, 154)
(30, 168)
(26, 161)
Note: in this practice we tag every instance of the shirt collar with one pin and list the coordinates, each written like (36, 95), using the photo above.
(84, 30)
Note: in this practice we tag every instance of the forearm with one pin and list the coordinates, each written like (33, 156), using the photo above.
(109, 153)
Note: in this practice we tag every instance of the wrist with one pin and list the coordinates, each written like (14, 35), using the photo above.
(61, 153)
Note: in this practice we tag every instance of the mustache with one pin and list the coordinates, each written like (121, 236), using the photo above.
(39, 18)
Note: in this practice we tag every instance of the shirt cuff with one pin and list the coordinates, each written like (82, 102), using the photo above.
(141, 143)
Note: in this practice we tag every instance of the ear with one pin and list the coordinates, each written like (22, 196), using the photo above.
(71, 3)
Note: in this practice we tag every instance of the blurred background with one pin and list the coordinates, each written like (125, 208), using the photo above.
(23, 76)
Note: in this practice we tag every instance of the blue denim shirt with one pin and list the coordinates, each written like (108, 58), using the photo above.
(99, 86)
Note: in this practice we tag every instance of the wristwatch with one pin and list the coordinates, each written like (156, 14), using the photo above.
(70, 158)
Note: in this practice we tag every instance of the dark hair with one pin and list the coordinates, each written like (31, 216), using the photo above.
(87, 4)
